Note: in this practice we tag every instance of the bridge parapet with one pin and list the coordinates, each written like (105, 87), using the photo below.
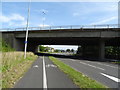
(105, 26)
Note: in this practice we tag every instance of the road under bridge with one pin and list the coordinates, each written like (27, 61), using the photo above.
(92, 40)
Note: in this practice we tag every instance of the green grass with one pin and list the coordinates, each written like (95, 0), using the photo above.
(14, 66)
(4, 47)
(78, 78)
(117, 62)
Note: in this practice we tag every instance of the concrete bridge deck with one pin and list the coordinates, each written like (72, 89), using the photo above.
(85, 37)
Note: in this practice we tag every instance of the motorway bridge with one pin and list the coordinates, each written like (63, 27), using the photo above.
(95, 37)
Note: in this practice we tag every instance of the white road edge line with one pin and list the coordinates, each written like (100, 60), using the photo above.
(91, 65)
(111, 77)
(44, 76)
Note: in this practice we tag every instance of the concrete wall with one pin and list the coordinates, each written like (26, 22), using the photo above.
(17, 44)
(82, 34)
(9, 38)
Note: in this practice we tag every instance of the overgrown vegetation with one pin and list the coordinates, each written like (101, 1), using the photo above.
(78, 78)
(4, 47)
(42, 48)
(13, 64)
(112, 52)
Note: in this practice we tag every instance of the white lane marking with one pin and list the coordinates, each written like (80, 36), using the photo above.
(51, 65)
(107, 65)
(111, 77)
(73, 60)
(44, 76)
(102, 64)
(68, 60)
(91, 65)
(36, 66)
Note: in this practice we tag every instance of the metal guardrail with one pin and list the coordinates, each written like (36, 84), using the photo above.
(105, 26)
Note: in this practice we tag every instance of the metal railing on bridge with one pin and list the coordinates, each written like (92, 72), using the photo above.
(105, 26)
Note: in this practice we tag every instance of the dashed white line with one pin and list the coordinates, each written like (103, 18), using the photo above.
(69, 60)
(44, 76)
(107, 65)
(51, 65)
(91, 66)
(36, 66)
(102, 64)
(73, 60)
(111, 77)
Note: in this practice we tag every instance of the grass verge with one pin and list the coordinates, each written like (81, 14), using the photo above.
(78, 78)
(118, 62)
(14, 66)
(4, 47)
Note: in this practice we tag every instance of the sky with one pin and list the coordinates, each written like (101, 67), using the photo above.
(14, 14)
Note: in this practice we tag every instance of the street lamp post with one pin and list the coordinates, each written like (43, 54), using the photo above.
(27, 30)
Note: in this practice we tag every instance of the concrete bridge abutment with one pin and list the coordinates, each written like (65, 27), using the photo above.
(102, 49)
(96, 50)
(18, 44)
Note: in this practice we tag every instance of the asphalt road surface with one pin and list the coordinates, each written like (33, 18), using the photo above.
(103, 72)
(44, 74)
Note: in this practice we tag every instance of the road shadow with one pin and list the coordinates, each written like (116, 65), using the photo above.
(74, 57)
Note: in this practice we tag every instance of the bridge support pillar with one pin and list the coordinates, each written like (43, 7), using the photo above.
(37, 49)
(102, 50)
(83, 50)
(32, 47)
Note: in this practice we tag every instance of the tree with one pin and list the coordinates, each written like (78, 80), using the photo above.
(56, 50)
(68, 50)
(62, 50)
(42, 48)
(112, 52)
(72, 50)
(79, 50)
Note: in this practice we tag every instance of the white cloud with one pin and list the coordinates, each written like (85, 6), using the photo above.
(113, 7)
(17, 17)
(43, 19)
(13, 20)
(104, 21)
(95, 8)
(76, 14)
(13, 17)
(41, 25)
(4, 19)
(20, 24)
(24, 23)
